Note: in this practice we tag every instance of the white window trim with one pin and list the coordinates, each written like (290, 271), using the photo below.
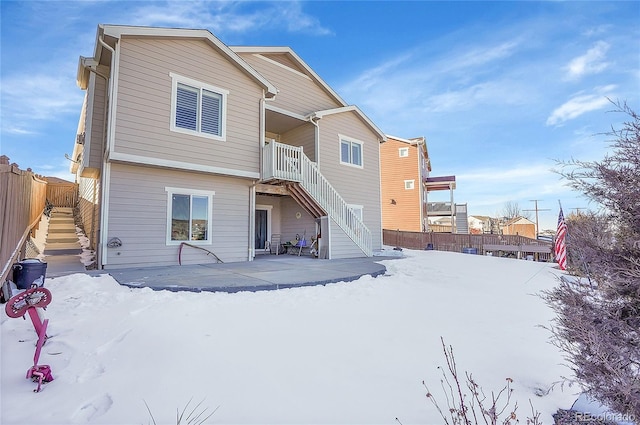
(342, 138)
(403, 152)
(181, 191)
(175, 80)
(409, 184)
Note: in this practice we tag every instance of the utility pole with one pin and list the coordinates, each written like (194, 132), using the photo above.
(535, 201)
(578, 210)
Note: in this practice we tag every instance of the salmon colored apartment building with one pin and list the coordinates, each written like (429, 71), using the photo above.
(405, 184)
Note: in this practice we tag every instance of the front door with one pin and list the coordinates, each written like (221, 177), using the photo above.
(261, 229)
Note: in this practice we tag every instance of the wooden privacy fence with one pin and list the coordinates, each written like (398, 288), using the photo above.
(518, 246)
(23, 197)
(62, 194)
(22, 200)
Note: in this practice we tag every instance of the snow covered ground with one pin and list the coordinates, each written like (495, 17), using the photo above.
(345, 353)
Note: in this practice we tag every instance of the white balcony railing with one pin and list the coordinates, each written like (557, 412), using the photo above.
(285, 162)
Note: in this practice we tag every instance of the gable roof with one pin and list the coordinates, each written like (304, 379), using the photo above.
(299, 63)
(518, 220)
(357, 111)
(415, 141)
(119, 31)
(300, 66)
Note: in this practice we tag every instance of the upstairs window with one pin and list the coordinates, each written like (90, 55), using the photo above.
(403, 152)
(198, 108)
(350, 151)
(409, 184)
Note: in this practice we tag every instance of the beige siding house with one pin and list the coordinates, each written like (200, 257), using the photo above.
(184, 140)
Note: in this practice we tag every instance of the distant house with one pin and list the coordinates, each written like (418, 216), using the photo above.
(479, 224)
(519, 226)
(183, 139)
(405, 184)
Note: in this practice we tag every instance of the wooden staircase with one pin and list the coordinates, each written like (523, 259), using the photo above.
(305, 200)
(289, 165)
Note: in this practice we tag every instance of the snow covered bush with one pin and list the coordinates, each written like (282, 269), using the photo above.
(598, 310)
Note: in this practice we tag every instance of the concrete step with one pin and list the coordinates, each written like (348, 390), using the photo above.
(62, 238)
(62, 227)
(61, 230)
(63, 264)
(61, 220)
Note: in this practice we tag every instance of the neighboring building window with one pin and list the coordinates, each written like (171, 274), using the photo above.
(350, 151)
(409, 184)
(198, 108)
(403, 152)
(189, 215)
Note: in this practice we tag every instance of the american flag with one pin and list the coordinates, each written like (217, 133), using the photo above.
(560, 247)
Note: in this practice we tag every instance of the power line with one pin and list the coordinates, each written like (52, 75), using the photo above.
(536, 210)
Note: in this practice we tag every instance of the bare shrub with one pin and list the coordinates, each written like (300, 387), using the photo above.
(195, 416)
(598, 310)
(468, 404)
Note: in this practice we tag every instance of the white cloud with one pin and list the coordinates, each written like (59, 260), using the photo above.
(225, 17)
(482, 55)
(509, 174)
(36, 98)
(592, 62)
(581, 104)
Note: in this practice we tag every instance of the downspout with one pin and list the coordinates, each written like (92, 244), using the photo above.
(313, 119)
(252, 189)
(106, 171)
(104, 139)
(252, 221)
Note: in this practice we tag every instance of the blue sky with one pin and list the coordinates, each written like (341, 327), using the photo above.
(499, 89)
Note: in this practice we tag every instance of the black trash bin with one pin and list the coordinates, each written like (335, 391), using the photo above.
(429, 247)
(28, 272)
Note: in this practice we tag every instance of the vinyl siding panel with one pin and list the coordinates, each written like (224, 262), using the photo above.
(297, 93)
(303, 136)
(138, 217)
(359, 186)
(291, 225)
(144, 104)
(284, 59)
(405, 213)
(89, 208)
(341, 245)
(95, 136)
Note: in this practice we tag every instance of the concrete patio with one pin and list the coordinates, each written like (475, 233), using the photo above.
(266, 272)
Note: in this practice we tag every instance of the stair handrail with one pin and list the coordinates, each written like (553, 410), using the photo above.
(317, 185)
(287, 162)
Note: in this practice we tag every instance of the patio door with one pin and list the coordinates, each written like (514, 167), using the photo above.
(262, 226)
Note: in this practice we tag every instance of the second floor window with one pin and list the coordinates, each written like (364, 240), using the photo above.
(350, 151)
(198, 108)
(403, 152)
